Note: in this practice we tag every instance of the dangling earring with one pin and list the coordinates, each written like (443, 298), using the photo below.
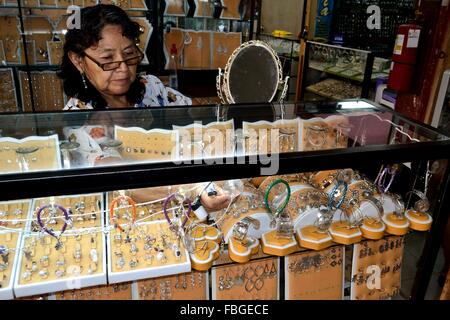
(84, 81)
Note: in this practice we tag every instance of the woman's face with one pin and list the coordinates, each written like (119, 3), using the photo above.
(113, 46)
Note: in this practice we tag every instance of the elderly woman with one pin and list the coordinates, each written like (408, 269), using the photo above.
(100, 62)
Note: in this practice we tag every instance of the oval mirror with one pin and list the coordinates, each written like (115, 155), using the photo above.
(253, 74)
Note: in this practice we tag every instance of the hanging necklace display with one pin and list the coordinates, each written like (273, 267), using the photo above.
(418, 216)
(281, 241)
(122, 201)
(175, 222)
(342, 231)
(53, 209)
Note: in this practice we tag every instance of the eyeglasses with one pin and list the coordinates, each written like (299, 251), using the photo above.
(109, 66)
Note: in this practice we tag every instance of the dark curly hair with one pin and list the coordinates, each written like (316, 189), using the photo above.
(93, 20)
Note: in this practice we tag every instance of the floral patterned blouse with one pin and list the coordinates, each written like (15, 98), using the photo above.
(156, 95)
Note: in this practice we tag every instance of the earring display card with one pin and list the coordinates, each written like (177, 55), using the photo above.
(48, 91)
(147, 145)
(320, 134)
(8, 99)
(186, 286)
(10, 36)
(211, 140)
(31, 52)
(197, 50)
(255, 280)
(175, 37)
(175, 8)
(231, 9)
(13, 213)
(118, 291)
(146, 33)
(204, 9)
(30, 154)
(315, 275)
(147, 250)
(223, 46)
(376, 269)
(9, 242)
(55, 52)
(40, 30)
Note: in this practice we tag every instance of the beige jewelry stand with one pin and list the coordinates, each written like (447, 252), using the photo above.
(122, 291)
(205, 252)
(241, 253)
(315, 282)
(147, 145)
(277, 246)
(231, 10)
(223, 45)
(55, 52)
(9, 34)
(255, 280)
(47, 157)
(419, 221)
(396, 225)
(14, 210)
(343, 233)
(386, 254)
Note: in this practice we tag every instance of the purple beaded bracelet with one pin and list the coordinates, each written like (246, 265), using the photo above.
(43, 227)
(166, 214)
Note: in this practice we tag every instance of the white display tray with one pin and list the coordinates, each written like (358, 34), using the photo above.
(7, 292)
(145, 273)
(69, 283)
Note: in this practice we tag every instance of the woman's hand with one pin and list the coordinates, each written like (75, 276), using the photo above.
(214, 203)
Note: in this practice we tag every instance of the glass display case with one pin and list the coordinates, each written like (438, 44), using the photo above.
(30, 71)
(200, 202)
(334, 72)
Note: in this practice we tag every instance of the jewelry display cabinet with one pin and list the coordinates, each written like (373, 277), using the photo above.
(335, 72)
(122, 204)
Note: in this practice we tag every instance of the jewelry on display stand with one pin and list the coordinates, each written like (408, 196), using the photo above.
(281, 241)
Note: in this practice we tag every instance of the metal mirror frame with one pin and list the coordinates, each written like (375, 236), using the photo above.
(223, 78)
